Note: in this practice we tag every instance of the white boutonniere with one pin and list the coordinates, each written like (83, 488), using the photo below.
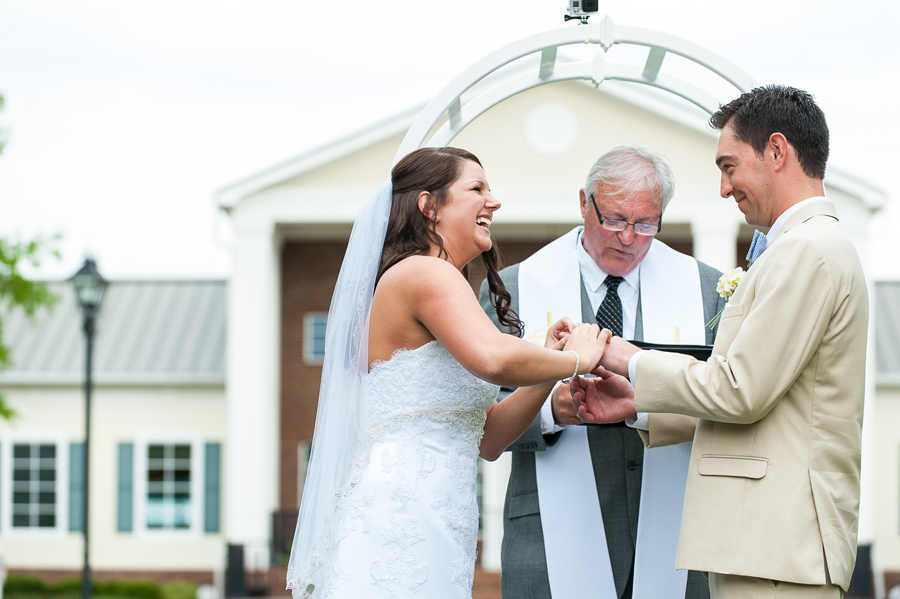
(728, 282)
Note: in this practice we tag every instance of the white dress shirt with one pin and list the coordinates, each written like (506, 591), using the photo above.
(779, 222)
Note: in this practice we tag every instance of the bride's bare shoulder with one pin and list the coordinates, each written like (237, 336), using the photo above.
(419, 270)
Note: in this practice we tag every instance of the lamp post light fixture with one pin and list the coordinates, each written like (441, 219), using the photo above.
(90, 288)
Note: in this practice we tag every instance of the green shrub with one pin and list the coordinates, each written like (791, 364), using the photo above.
(71, 586)
(29, 587)
(136, 589)
(178, 589)
(24, 585)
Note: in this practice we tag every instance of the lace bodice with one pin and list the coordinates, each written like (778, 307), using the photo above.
(407, 522)
(425, 383)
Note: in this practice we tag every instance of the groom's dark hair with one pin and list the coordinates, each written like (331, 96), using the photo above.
(757, 114)
(411, 233)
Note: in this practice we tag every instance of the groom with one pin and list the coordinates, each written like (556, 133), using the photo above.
(772, 502)
(614, 272)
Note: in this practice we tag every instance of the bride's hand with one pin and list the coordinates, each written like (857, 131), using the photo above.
(558, 333)
(589, 342)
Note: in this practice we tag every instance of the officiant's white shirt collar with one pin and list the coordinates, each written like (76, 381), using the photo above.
(594, 276)
(779, 222)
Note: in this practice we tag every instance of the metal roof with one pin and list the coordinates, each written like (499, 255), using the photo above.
(148, 333)
(887, 331)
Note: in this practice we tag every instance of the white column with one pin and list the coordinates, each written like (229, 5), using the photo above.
(715, 238)
(252, 388)
(494, 477)
(858, 233)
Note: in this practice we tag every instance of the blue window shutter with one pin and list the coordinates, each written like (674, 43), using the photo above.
(76, 487)
(211, 484)
(126, 488)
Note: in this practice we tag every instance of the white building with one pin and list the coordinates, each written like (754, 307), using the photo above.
(158, 424)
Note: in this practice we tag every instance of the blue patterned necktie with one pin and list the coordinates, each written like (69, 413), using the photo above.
(609, 314)
(757, 246)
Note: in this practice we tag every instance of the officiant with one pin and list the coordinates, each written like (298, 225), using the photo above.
(589, 513)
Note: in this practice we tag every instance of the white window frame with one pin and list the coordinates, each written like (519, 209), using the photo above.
(139, 479)
(308, 339)
(62, 482)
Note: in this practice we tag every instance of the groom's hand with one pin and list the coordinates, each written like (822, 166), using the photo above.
(606, 399)
(563, 406)
(617, 355)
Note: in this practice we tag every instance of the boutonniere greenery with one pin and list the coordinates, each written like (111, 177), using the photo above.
(728, 282)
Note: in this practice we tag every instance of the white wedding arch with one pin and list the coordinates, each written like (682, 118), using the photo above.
(487, 83)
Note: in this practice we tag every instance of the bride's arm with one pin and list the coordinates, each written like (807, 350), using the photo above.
(442, 300)
(508, 419)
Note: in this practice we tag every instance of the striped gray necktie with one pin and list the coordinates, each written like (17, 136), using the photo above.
(609, 314)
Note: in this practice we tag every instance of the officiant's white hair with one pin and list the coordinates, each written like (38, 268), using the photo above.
(631, 169)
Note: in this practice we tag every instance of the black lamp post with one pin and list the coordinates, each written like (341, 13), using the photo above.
(89, 290)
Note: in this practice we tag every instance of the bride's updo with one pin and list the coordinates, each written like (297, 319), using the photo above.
(410, 233)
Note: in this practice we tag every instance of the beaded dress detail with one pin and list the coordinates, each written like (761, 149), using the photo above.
(406, 525)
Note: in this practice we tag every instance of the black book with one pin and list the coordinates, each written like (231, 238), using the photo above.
(701, 352)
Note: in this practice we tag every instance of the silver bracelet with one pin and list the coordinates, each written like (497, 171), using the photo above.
(574, 374)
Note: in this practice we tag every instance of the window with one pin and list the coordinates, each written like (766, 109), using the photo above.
(34, 494)
(168, 486)
(34, 497)
(314, 324)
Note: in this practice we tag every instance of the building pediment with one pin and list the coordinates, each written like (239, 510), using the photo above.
(536, 148)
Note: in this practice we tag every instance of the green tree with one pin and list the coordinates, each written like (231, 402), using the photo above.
(15, 290)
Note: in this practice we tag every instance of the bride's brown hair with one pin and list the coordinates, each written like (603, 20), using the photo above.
(410, 233)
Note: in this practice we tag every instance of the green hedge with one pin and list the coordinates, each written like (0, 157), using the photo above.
(24, 585)
(30, 587)
(178, 589)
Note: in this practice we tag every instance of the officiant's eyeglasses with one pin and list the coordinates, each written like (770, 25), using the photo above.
(620, 225)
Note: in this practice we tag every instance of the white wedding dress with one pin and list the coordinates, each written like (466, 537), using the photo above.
(407, 524)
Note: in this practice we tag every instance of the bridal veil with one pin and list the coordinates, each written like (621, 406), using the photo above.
(336, 433)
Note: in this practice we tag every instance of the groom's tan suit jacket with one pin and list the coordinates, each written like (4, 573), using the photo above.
(773, 487)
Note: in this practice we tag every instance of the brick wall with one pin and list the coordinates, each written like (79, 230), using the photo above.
(891, 580)
(309, 271)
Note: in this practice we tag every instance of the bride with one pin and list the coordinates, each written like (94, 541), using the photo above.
(409, 388)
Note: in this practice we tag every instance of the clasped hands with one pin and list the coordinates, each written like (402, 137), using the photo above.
(605, 398)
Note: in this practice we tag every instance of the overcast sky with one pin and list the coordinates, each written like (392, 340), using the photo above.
(125, 117)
